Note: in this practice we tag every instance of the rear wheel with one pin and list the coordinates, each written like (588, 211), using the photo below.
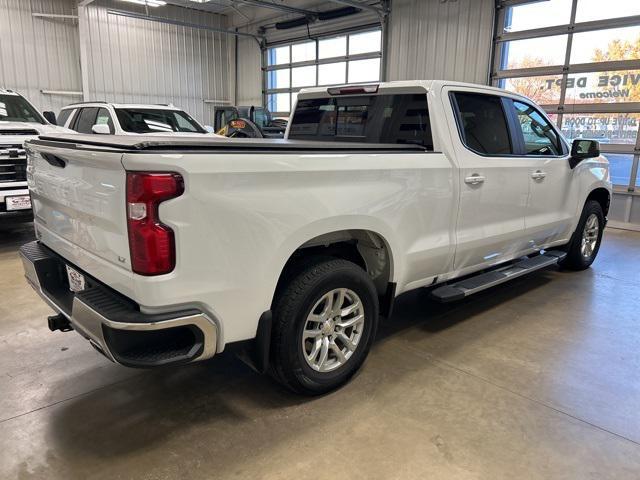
(585, 242)
(325, 319)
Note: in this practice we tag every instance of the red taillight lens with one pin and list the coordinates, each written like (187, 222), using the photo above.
(151, 243)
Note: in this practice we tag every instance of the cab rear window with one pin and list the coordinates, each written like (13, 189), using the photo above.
(401, 118)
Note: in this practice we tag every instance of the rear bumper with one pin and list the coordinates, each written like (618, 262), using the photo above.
(113, 323)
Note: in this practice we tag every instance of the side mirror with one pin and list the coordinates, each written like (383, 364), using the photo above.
(101, 129)
(209, 128)
(582, 149)
(50, 117)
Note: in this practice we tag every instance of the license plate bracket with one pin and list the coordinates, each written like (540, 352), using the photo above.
(17, 202)
(76, 280)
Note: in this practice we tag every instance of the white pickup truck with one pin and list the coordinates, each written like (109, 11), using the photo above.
(168, 250)
(19, 122)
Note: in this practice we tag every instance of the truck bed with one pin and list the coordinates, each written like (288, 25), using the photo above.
(173, 143)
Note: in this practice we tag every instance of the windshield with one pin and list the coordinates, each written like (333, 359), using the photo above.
(14, 108)
(155, 120)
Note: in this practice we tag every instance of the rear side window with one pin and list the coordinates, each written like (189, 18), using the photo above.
(483, 124)
(64, 116)
(86, 120)
(402, 118)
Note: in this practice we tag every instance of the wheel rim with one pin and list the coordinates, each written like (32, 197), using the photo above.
(590, 236)
(333, 330)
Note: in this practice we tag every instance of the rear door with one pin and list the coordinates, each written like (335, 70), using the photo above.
(493, 179)
(552, 193)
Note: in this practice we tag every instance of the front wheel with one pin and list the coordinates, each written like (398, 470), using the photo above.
(325, 319)
(585, 242)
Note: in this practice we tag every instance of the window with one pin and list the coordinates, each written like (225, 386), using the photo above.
(14, 108)
(103, 117)
(331, 60)
(156, 120)
(371, 119)
(583, 71)
(64, 116)
(482, 122)
(86, 119)
(539, 136)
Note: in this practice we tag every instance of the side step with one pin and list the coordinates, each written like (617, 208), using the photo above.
(469, 286)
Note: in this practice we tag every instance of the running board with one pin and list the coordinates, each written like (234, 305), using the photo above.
(469, 286)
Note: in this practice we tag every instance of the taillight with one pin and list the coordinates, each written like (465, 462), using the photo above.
(151, 243)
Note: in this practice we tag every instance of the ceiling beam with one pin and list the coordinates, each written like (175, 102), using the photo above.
(277, 6)
(84, 3)
(364, 6)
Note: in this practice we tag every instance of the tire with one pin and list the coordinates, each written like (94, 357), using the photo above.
(580, 255)
(303, 308)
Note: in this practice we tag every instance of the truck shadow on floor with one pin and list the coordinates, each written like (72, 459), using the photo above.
(223, 398)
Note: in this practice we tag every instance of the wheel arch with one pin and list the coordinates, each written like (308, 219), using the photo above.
(602, 196)
(367, 247)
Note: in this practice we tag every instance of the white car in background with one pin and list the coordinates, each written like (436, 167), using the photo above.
(19, 121)
(131, 119)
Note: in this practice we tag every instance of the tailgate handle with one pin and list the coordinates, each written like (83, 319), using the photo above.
(54, 160)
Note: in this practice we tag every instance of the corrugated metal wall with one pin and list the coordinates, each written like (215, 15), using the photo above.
(37, 53)
(140, 61)
(129, 60)
(432, 39)
(249, 75)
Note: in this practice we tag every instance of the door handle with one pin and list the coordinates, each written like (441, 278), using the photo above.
(538, 175)
(474, 179)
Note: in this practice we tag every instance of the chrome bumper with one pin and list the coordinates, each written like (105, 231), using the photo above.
(103, 329)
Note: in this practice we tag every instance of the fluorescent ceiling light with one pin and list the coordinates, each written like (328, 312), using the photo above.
(149, 3)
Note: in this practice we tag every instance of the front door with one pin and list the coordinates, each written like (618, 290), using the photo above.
(552, 197)
(493, 181)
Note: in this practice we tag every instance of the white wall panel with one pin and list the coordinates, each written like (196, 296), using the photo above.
(432, 39)
(135, 60)
(249, 74)
(39, 53)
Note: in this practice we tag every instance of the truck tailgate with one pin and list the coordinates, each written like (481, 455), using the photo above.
(79, 206)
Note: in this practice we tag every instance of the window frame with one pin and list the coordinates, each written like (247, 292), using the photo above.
(78, 115)
(317, 62)
(519, 134)
(508, 118)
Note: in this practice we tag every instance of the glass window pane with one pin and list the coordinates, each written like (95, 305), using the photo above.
(620, 167)
(278, 55)
(278, 102)
(603, 87)
(402, 118)
(537, 15)
(303, 76)
(302, 52)
(534, 52)
(364, 70)
(332, 47)
(365, 42)
(539, 136)
(598, 10)
(483, 122)
(618, 128)
(605, 45)
(332, 73)
(278, 78)
(542, 90)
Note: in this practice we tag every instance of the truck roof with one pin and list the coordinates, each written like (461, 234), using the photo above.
(122, 105)
(398, 86)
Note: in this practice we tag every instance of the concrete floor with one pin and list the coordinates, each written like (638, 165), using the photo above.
(536, 379)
